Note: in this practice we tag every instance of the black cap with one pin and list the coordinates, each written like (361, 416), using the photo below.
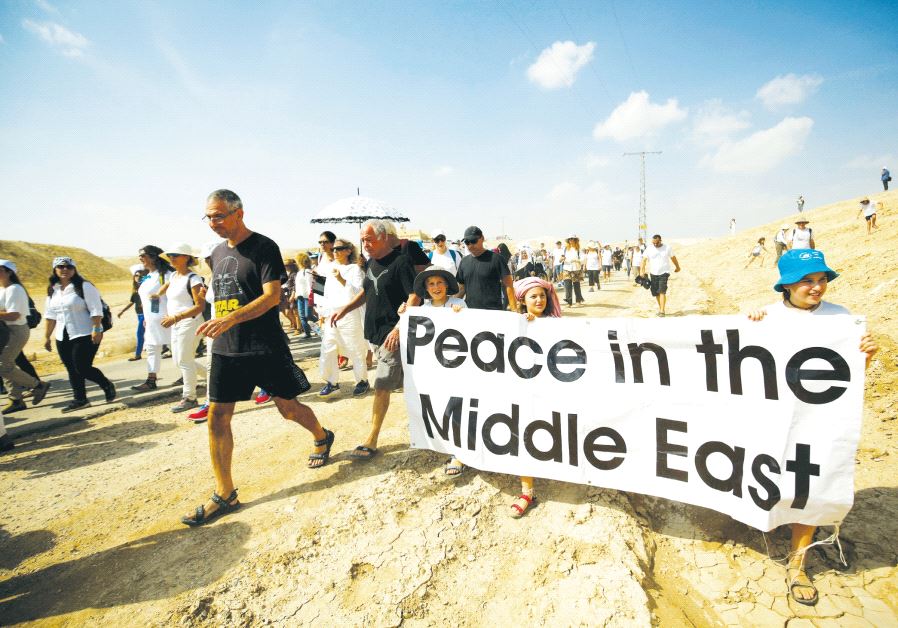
(473, 234)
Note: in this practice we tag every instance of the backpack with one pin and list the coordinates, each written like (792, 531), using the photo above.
(106, 321)
(452, 253)
(34, 317)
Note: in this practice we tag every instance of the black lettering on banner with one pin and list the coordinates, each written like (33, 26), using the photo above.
(512, 422)
(591, 448)
(553, 360)
(555, 452)
(451, 417)
(472, 424)
(711, 351)
(450, 340)
(795, 375)
(498, 341)
(665, 448)
(762, 355)
(412, 339)
(803, 470)
(573, 451)
(773, 491)
(520, 341)
(636, 352)
(619, 376)
(736, 456)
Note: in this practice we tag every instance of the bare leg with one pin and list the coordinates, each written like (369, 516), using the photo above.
(378, 412)
(302, 414)
(221, 448)
(802, 537)
(520, 505)
(662, 302)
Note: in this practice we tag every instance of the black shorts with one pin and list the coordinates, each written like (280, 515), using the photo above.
(659, 284)
(233, 378)
(870, 217)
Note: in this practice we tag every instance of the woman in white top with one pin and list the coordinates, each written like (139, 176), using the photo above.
(155, 308)
(593, 266)
(572, 271)
(804, 277)
(13, 310)
(185, 301)
(74, 315)
(348, 335)
(301, 289)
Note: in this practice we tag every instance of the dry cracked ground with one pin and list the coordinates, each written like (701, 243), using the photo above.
(90, 532)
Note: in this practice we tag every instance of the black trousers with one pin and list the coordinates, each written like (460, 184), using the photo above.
(568, 284)
(78, 357)
(23, 363)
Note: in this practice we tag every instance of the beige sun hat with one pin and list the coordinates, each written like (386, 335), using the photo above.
(180, 249)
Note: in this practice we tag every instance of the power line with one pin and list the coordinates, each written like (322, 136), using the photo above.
(643, 223)
(624, 40)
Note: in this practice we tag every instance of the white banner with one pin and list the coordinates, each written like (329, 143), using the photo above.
(751, 419)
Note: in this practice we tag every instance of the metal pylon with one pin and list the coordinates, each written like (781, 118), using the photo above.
(643, 221)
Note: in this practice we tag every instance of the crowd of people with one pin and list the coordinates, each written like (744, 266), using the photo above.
(351, 302)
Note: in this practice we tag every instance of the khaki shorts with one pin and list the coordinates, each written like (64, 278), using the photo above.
(388, 371)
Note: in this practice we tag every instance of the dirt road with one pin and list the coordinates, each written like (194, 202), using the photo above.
(91, 534)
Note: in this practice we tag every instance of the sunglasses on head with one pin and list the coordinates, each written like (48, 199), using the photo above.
(65, 267)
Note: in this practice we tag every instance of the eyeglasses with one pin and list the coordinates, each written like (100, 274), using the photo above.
(341, 248)
(65, 267)
(216, 218)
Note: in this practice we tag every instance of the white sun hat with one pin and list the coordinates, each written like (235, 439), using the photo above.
(136, 268)
(206, 249)
(180, 249)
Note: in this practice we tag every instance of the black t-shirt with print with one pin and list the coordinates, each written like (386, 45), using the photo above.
(237, 278)
(482, 276)
(387, 284)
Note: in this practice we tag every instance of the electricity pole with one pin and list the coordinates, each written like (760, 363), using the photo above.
(643, 224)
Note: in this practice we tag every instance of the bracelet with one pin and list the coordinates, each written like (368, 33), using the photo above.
(98, 330)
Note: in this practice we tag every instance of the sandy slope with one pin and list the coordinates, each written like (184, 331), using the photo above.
(91, 532)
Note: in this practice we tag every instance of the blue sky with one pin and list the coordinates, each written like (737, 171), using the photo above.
(116, 119)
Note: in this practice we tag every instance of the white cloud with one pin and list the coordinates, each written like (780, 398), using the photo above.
(869, 162)
(2, 41)
(444, 171)
(714, 124)
(638, 117)
(557, 65)
(789, 89)
(71, 44)
(46, 7)
(763, 150)
(594, 162)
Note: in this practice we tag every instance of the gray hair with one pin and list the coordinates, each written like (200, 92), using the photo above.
(228, 198)
(381, 228)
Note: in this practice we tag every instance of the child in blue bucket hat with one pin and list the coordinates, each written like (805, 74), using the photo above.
(804, 277)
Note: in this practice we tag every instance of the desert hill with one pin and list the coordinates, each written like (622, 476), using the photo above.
(34, 260)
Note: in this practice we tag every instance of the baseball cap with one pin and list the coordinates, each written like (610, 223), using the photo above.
(436, 233)
(62, 260)
(798, 263)
(473, 234)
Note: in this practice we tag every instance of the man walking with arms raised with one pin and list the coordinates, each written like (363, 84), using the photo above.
(250, 348)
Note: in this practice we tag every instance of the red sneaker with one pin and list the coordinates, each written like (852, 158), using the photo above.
(263, 397)
(200, 415)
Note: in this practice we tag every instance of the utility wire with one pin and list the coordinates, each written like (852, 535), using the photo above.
(624, 40)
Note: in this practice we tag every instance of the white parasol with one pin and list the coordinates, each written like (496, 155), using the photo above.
(358, 209)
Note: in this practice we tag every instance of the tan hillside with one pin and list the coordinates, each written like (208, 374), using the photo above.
(34, 261)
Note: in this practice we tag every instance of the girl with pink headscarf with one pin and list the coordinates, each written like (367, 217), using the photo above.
(538, 300)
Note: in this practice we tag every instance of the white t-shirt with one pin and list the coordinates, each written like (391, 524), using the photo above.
(606, 257)
(572, 255)
(592, 260)
(337, 295)
(801, 238)
(781, 237)
(824, 309)
(449, 302)
(637, 258)
(72, 313)
(14, 299)
(869, 209)
(448, 260)
(557, 254)
(178, 293)
(659, 259)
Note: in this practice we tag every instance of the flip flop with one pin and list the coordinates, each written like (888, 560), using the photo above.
(224, 507)
(454, 470)
(362, 453)
(794, 582)
(327, 441)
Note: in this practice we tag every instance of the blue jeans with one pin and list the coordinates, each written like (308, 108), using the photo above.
(140, 332)
(305, 311)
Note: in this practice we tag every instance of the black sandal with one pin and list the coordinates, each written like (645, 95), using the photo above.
(224, 507)
(327, 441)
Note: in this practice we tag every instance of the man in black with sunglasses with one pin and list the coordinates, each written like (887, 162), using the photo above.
(483, 275)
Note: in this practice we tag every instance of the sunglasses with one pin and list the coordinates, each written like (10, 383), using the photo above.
(341, 248)
(474, 241)
(323, 242)
(65, 267)
(439, 239)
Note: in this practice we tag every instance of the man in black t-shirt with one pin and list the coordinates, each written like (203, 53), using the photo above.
(483, 275)
(389, 282)
(250, 348)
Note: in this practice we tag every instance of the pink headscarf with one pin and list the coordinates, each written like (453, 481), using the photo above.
(521, 286)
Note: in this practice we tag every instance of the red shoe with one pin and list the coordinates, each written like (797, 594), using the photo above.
(263, 397)
(200, 415)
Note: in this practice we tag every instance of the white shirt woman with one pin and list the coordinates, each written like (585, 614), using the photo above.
(184, 317)
(72, 313)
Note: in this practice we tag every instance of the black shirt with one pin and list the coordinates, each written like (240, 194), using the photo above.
(414, 252)
(237, 278)
(138, 304)
(482, 277)
(387, 284)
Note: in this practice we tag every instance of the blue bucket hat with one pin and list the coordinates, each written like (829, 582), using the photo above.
(797, 263)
